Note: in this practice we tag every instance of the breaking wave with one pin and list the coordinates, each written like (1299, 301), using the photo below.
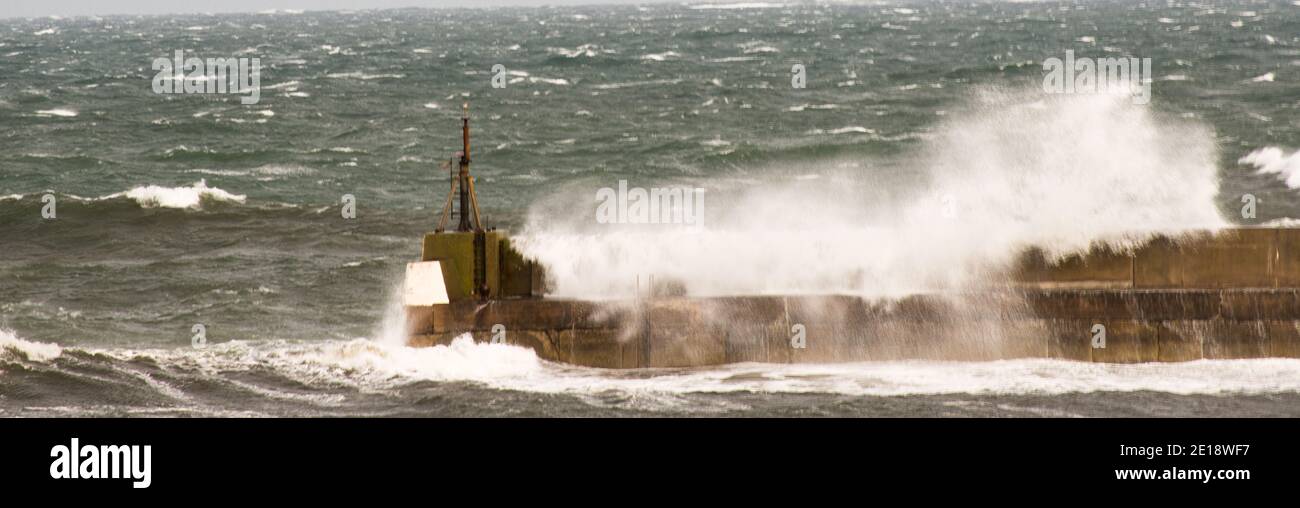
(11, 345)
(192, 196)
(321, 377)
(1055, 172)
(1273, 160)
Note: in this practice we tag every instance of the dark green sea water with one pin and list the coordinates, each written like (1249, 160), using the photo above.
(176, 210)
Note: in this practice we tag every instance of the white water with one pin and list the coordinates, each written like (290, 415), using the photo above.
(1015, 170)
(192, 196)
(380, 364)
(12, 345)
(1273, 160)
(375, 365)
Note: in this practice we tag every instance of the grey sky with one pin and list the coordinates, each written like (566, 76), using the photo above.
(34, 8)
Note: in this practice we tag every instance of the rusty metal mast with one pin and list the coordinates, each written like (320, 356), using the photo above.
(463, 185)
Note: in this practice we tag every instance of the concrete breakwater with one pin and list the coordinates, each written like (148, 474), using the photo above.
(1235, 294)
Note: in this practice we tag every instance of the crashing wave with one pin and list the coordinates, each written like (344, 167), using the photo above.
(156, 196)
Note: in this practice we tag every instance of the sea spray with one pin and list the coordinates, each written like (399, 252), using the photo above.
(1012, 171)
(392, 329)
(463, 359)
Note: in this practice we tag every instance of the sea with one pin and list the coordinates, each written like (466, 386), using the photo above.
(188, 254)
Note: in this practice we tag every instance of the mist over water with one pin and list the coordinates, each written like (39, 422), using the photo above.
(1010, 170)
(922, 156)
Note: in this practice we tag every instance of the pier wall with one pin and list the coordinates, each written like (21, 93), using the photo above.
(1232, 295)
(1234, 258)
(1139, 326)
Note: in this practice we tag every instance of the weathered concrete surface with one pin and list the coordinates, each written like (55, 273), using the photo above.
(1231, 295)
(1139, 326)
(1233, 258)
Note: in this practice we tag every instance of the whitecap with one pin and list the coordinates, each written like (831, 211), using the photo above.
(61, 112)
(151, 196)
(11, 344)
(659, 57)
(852, 129)
(363, 76)
(549, 81)
(612, 86)
(738, 5)
(1275, 161)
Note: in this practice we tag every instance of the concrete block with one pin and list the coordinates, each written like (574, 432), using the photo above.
(598, 315)
(429, 339)
(1159, 305)
(1286, 260)
(1083, 304)
(1015, 338)
(901, 339)
(1236, 339)
(1098, 268)
(542, 342)
(1235, 258)
(749, 342)
(686, 346)
(1283, 338)
(455, 251)
(1254, 304)
(590, 348)
(459, 316)
(828, 343)
(540, 314)
(1181, 341)
(1158, 264)
(1127, 342)
(828, 310)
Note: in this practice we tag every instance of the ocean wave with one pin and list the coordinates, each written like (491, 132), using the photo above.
(801, 107)
(549, 81)
(11, 345)
(584, 51)
(761, 49)
(1282, 222)
(659, 57)
(59, 112)
(291, 85)
(186, 153)
(737, 5)
(192, 196)
(852, 129)
(360, 362)
(628, 84)
(1275, 161)
(363, 76)
(264, 170)
(368, 364)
